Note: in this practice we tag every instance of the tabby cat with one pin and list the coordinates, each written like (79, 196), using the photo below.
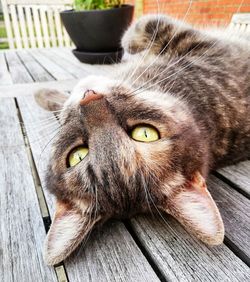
(144, 137)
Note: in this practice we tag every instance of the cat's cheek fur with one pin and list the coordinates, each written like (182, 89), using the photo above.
(69, 227)
(193, 206)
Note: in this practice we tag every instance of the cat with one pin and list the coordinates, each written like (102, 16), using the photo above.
(145, 136)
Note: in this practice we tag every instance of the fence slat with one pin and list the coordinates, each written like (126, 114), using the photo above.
(58, 27)
(66, 38)
(44, 27)
(15, 26)
(30, 27)
(33, 23)
(8, 25)
(39, 39)
(23, 26)
(52, 28)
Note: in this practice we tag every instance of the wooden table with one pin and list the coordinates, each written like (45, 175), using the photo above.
(145, 248)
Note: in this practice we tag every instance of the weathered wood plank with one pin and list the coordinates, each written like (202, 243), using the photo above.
(55, 70)
(19, 73)
(27, 89)
(21, 228)
(14, 69)
(5, 78)
(53, 55)
(40, 126)
(238, 174)
(181, 257)
(37, 72)
(110, 254)
(235, 211)
(67, 55)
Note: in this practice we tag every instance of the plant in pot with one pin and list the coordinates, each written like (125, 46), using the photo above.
(96, 28)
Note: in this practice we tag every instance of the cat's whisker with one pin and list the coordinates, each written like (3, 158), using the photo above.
(39, 130)
(40, 121)
(39, 126)
(149, 46)
(165, 47)
(85, 240)
(181, 58)
(31, 141)
(174, 74)
(39, 159)
(171, 65)
(147, 196)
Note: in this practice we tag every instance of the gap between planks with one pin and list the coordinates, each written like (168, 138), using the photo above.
(59, 269)
(231, 183)
(145, 252)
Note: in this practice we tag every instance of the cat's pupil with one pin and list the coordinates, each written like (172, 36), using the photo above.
(145, 133)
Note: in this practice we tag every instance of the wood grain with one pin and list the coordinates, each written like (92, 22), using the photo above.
(21, 227)
(181, 257)
(17, 70)
(5, 78)
(235, 211)
(38, 73)
(40, 127)
(67, 55)
(238, 174)
(27, 89)
(110, 254)
(54, 55)
(55, 70)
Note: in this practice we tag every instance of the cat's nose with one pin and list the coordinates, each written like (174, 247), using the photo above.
(90, 96)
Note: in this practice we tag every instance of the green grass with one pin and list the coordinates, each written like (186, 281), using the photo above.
(2, 32)
(97, 4)
(3, 45)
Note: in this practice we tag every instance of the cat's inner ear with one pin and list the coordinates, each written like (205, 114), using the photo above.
(193, 206)
(50, 99)
(69, 227)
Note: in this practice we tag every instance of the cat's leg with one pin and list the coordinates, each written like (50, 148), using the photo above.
(163, 35)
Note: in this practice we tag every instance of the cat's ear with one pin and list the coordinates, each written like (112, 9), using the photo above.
(195, 209)
(69, 227)
(50, 99)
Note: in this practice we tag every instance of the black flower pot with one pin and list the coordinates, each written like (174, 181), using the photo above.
(98, 33)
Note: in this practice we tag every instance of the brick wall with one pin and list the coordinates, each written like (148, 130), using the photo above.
(216, 12)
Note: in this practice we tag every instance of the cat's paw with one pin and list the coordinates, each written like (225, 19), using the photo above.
(147, 33)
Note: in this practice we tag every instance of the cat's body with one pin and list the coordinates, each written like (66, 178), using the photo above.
(211, 73)
(195, 94)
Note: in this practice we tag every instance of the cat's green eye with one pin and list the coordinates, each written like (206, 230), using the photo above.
(145, 133)
(77, 155)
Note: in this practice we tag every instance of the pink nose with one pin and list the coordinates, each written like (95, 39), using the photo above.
(90, 96)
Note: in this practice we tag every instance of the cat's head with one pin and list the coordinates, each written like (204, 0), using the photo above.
(119, 153)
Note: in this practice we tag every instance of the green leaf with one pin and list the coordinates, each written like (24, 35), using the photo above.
(97, 4)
